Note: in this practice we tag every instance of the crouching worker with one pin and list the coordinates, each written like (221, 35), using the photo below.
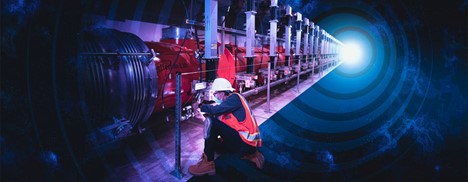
(233, 121)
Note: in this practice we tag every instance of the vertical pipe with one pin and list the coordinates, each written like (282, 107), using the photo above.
(316, 32)
(316, 42)
(211, 38)
(250, 34)
(311, 41)
(311, 46)
(298, 46)
(235, 50)
(273, 27)
(221, 50)
(321, 49)
(306, 41)
(287, 37)
(211, 29)
(268, 88)
(298, 38)
(177, 170)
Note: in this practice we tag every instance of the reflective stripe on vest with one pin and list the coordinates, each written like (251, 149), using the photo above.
(248, 129)
(250, 137)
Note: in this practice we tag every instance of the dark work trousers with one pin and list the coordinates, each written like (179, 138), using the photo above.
(230, 141)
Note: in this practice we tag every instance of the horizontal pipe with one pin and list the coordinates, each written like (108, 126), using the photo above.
(272, 84)
(262, 88)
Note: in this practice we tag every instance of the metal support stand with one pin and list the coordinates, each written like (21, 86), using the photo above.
(298, 75)
(272, 59)
(313, 68)
(177, 170)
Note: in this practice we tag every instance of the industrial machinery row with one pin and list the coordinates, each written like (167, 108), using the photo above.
(124, 79)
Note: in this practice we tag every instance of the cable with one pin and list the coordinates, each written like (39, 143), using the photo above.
(177, 57)
(225, 15)
(170, 71)
(186, 11)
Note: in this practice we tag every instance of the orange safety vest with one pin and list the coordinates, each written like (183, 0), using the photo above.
(248, 129)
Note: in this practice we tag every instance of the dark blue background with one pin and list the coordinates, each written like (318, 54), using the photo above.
(401, 117)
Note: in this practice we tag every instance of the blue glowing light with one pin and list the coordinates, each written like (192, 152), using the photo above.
(352, 54)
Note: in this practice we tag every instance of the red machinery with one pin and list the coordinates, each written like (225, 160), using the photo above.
(231, 67)
(186, 62)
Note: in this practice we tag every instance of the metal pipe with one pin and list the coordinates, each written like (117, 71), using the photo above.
(221, 50)
(311, 41)
(250, 31)
(177, 170)
(272, 84)
(298, 33)
(211, 38)
(250, 37)
(288, 33)
(273, 28)
(306, 40)
(298, 75)
(298, 45)
(268, 86)
(262, 88)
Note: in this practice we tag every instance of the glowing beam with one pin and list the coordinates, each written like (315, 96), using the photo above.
(352, 54)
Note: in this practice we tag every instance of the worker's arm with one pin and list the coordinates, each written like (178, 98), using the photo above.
(232, 103)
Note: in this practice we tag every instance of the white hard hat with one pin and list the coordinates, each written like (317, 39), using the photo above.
(221, 84)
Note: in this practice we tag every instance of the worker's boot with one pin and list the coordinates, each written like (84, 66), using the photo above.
(202, 167)
(257, 158)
